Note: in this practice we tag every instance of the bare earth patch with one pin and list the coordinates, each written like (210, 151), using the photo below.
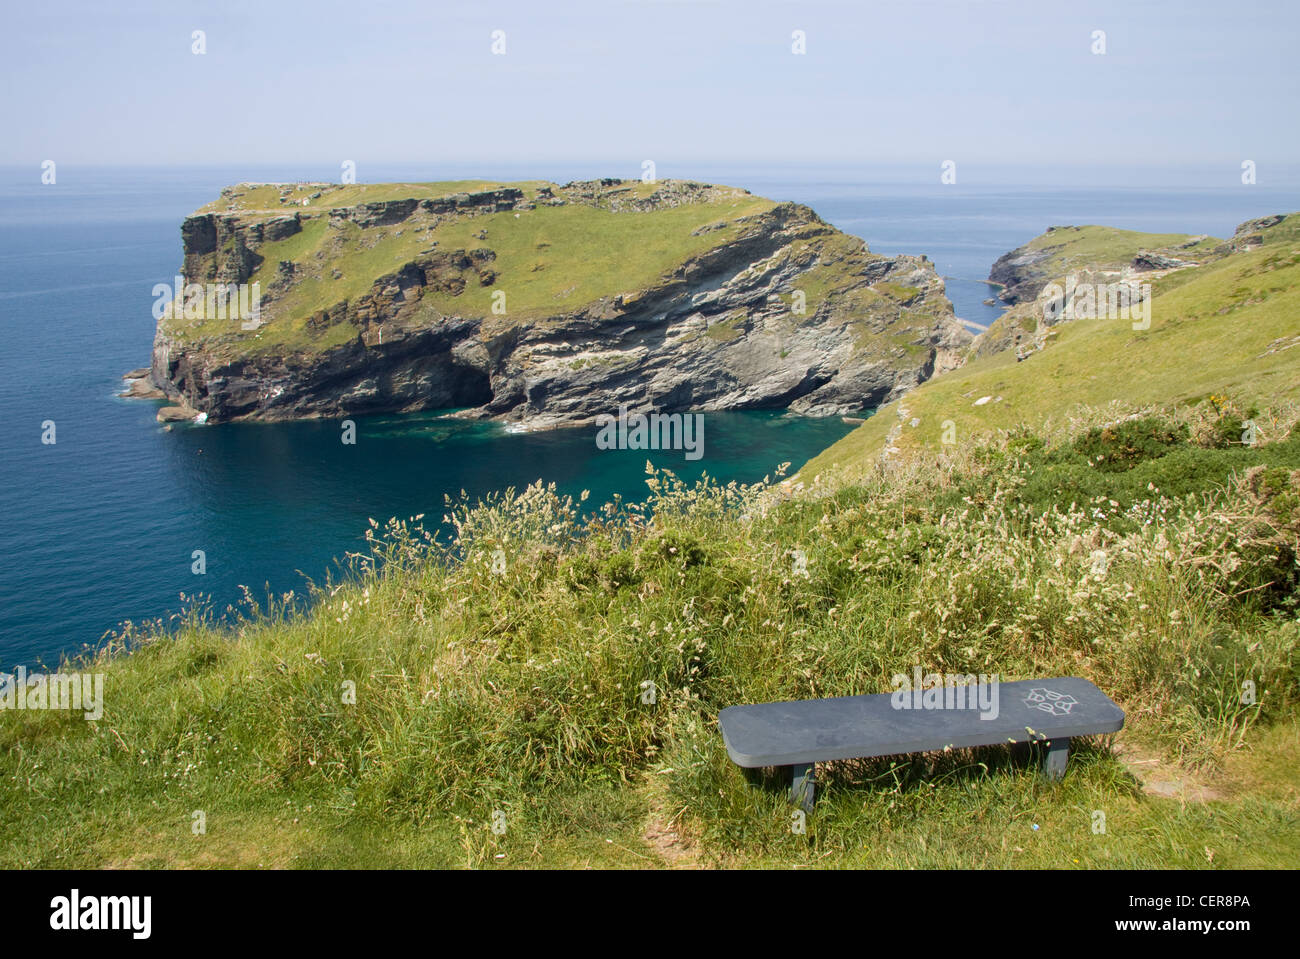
(667, 841)
(1161, 778)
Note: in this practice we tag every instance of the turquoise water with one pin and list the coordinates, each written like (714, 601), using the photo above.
(101, 526)
(268, 503)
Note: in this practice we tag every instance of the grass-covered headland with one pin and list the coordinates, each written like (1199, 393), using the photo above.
(542, 688)
(1152, 552)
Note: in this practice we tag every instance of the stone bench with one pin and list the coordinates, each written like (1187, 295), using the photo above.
(804, 732)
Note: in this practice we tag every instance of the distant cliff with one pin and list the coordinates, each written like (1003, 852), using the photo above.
(1039, 278)
(1024, 271)
(540, 304)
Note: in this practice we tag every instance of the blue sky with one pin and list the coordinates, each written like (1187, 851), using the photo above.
(676, 81)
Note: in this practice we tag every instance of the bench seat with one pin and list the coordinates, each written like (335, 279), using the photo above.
(804, 732)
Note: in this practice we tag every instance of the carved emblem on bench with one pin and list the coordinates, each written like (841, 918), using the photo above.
(1050, 701)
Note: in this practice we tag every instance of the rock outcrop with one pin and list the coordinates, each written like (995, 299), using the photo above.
(1250, 235)
(545, 305)
(1041, 278)
(1064, 250)
(1022, 273)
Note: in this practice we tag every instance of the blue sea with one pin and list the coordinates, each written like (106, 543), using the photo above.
(100, 527)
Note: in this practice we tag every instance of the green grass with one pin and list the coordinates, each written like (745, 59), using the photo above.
(549, 261)
(520, 693)
(903, 294)
(1104, 247)
(1137, 542)
(725, 329)
(265, 198)
(1222, 327)
(556, 259)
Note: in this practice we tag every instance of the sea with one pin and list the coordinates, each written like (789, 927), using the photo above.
(102, 526)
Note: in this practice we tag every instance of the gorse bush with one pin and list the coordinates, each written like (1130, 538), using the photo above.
(1114, 449)
(545, 646)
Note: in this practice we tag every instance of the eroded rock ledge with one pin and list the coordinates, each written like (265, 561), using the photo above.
(667, 296)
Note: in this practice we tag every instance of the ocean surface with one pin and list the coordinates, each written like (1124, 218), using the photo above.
(100, 527)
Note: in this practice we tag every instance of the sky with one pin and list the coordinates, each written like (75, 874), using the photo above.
(677, 82)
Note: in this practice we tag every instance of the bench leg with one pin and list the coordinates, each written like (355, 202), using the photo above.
(803, 785)
(1058, 752)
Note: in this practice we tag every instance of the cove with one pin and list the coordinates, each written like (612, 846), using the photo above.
(272, 504)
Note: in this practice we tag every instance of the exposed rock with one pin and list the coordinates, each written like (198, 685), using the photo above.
(1049, 288)
(142, 388)
(1250, 234)
(282, 227)
(1146, 261)
(177, 414)
(715, 333)
(1065, 250)
(1020, 273)
(1011, 330)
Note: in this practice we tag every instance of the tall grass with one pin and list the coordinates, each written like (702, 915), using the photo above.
(540, 653)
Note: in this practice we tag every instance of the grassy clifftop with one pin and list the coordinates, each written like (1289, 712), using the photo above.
(1228, 326)
(1066, 249)
(1101, 246)
(551, 249)
(568, 696)
(540, 303)
(274, 199)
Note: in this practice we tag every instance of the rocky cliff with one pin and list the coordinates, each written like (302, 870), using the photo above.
(541, 305)
(1024, 271)
(1040, 278)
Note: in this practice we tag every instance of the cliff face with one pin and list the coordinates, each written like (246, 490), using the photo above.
(544, 305)
(1046, 278)
(1063, 250)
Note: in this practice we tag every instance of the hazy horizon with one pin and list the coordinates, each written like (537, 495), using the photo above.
(922, 174)
(687, 85)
